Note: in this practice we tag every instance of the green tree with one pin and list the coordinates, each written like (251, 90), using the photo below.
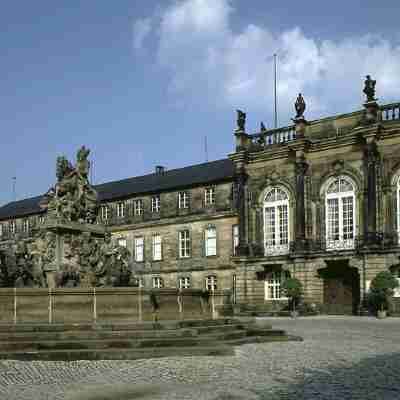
(293, 289)
(382, 287)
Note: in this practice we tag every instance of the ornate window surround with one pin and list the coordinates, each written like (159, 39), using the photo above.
(281, 248)
(341, 243)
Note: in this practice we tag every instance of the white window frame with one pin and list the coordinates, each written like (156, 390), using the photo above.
(278, 244)
(184, 243)
(25, 225)
(120, 209)
(41, 220)
(184, 282)
(210, 241)
(235, 239)
(398, 208)
(209, 195)
(139, 248)
(104, 212)
(13, 226)
(1, 230)
(273, 285)
(155, 204)
(157, 282)
(211, 282)
(137, 207)
(157, 247)
(183, 200)
(122, 242)
(340, 243)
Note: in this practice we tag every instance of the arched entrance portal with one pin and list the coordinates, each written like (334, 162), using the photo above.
(341, 287)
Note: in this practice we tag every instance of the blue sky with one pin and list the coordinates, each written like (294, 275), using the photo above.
(142, 82)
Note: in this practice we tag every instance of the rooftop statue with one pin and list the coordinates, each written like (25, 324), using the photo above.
(300, 106)
(369, 88)
(241, 121)
(262, 127)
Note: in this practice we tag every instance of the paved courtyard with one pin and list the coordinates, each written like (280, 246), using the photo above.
(340, 358)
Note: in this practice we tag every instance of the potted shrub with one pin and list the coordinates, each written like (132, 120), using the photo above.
(293, 289)
(381, 289)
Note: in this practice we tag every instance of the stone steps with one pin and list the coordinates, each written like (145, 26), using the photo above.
(132, 341)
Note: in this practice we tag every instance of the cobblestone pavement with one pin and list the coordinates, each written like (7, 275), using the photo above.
(340, 358)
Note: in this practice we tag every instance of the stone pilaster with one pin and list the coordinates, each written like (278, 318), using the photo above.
(371, 159)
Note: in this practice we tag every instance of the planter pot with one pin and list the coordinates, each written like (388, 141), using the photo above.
(294, 314)
(381, 314)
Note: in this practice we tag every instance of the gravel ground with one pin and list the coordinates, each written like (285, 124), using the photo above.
(340, 358)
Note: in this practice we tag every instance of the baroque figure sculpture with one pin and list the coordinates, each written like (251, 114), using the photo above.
(72, 199)
(70, 250)
(369, 88)
(241, 121)
(300, 106)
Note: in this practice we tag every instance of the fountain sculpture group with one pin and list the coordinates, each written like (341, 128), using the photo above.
(70, 248)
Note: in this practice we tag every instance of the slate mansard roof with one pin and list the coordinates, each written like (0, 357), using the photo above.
(206, 173)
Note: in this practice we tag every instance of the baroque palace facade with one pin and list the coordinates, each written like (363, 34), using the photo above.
(318, 200)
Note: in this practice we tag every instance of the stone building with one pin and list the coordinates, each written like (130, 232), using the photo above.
(318, 200)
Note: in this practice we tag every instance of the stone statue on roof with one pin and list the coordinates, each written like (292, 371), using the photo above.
(369, 88)
(300, 106)
(241, 121)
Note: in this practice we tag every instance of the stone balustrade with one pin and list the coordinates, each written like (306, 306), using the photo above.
(391, 112)
(122, 304)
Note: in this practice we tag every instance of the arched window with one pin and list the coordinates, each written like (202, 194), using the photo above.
(340, 214)
(276, 222)
(398, 208)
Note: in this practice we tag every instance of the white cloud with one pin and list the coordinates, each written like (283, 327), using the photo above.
(206, 58)
(141, 29)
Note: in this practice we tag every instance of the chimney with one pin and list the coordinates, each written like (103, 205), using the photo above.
(160, 169)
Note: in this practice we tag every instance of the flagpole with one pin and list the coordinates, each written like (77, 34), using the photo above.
(275, 102)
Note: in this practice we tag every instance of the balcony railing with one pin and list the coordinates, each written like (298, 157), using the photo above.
(274, 136)
(390, 112)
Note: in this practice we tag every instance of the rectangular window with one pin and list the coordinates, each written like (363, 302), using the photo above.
(1, 230)
(25, 225)
(184, 244)
(139, 249)
(273, 286)
(157, 248)
(104, 213)
(183, 200)
(122, 242)
(158, 282)
(120, 210)
(211, 283)
(283, 224)
(41, 220)
(12, 227)
(209, 196)
(211, 241)
(155, 204)
(184, 282)
(138, 207)
(235, 238)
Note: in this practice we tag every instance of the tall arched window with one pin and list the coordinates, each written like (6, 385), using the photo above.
(276, 222)
(340, 214)
(398, 209)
